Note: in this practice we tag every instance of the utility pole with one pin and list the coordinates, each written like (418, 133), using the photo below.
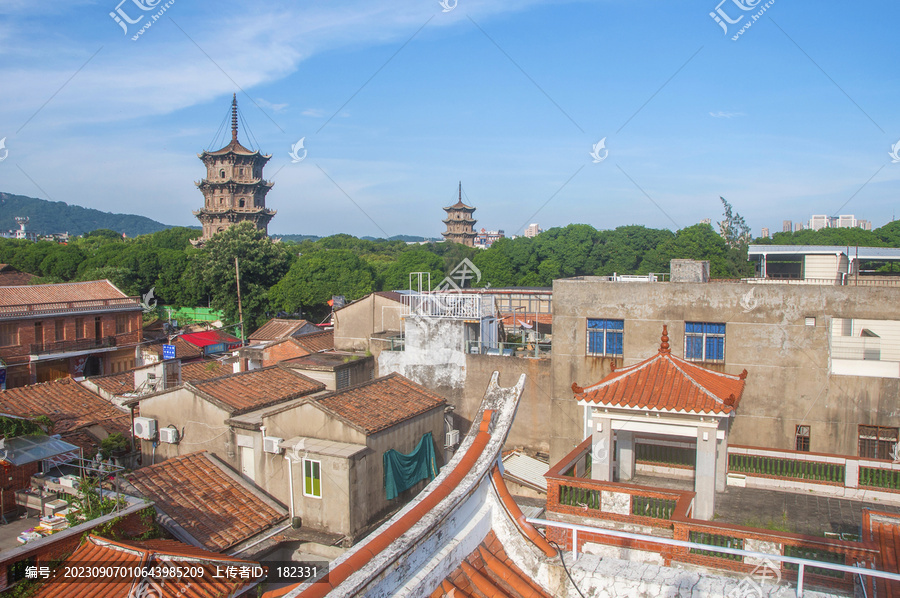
(237, 274)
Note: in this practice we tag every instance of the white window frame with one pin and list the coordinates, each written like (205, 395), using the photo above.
(318, 464)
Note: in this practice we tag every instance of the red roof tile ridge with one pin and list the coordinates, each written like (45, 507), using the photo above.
(518, 517)
(620, 373)
(79, 283)
(119, 546)
(696, 383)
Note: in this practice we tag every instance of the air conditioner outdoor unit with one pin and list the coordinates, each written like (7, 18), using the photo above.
(270, 444)
(169, 435)
(451, 439)
(145, 428)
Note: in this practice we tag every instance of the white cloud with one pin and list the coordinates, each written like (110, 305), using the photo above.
(314, 112)
(721, 114)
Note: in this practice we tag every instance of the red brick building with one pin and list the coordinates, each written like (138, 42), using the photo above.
(71, 329)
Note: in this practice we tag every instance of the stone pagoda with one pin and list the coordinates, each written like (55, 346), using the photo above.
(233, 190)
(460, 224)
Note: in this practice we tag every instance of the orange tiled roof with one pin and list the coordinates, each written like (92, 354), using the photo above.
(117, 384)
(511, 320)
(884, 530)
(277, 328)
(217, 509)
(255, 389)
(68, 404)
(205, 369)
(669, 383)
(61, 293)
(488, 571)
(320, 341)
(95, 550)
(10, 277)
(381, 403)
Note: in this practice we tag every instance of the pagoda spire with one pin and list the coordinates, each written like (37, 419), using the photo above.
(234, 118)
(460, 192)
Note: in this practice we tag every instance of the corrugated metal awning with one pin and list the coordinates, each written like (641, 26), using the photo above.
(526, 470)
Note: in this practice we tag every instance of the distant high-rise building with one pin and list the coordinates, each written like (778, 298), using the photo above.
(786, 226)
(820, 221)
(846, 221)
(865, 224)
(798, 226)
(706, 221)
(533, 230)
(460, 224)
(765, 233)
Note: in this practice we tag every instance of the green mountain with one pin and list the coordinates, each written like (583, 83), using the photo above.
(46, 217)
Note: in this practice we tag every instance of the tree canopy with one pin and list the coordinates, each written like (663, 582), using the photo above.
(288, 276)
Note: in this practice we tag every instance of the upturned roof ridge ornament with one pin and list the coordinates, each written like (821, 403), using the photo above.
(664, 340)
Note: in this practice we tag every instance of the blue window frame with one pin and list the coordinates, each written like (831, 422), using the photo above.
(604, 337)
(704, 341)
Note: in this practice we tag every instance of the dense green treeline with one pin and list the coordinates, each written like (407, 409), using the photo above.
(290, 277)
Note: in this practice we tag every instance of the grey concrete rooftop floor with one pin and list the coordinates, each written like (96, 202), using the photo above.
(807, 513)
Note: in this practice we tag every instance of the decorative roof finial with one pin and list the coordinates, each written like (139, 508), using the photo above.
(234, 120)
(664, 344)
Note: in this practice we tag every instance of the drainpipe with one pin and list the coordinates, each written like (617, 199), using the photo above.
(290, 484)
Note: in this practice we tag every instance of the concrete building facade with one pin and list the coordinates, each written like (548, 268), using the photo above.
(783, 335)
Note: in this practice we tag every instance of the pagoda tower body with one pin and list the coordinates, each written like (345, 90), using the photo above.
(233, 190)
(460, 224)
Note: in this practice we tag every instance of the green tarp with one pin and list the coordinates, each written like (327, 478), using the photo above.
(402, 472)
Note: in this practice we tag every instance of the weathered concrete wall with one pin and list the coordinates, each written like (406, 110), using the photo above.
(356, 323)
(788, 363)
(372, 502)
(352, 489)
(531, 426)
(435, 356)
(200, 427)
(311, 422)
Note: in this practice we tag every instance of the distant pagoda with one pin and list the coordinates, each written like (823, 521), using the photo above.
(459, 221)
(233, 190)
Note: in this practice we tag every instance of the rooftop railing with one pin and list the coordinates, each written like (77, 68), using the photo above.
(666, 515)
(73, 345)
(64, 307)
(460, 306)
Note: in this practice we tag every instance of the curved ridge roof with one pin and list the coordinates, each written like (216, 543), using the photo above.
(669, 383)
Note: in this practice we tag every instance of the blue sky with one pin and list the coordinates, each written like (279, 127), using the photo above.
(398, 101)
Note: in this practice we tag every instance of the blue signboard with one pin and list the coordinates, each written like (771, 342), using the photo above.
(168, 351)
(215, 348)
